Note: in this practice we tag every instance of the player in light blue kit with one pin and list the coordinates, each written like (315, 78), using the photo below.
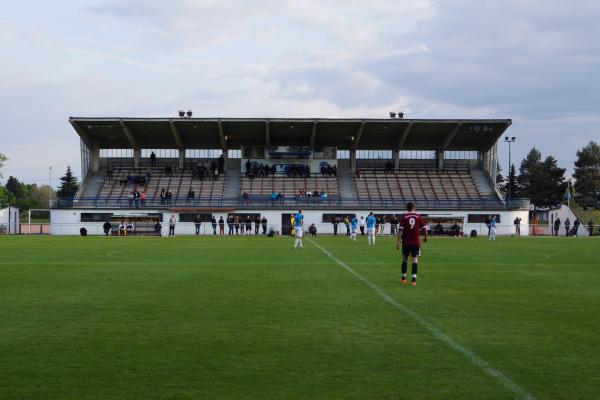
(371, 221)
(298, 228)
(353, 227)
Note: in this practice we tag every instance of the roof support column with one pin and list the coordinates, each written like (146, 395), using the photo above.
(353, 160)
(137, 154)
(399, 143)
(223, 139)
(354, 145)
(313, 136)
(439, 156)
(95, 157)
(181, 158)
(267, 140)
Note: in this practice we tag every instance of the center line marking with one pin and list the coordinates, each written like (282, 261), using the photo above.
(434, 330)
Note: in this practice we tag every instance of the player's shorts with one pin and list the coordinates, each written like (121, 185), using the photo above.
(298, 231)
(411, 250)
(370, 231)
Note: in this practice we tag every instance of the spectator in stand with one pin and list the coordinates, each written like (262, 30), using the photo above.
(312, 229)
(163, 196)
(136, 198)
(197, 223)
(245, 198)
(347, 223)
(334, 171)
(517, 223)
(153, 159)
(263, 222)
(248, 168)
(107, 227)
(109, 174)
(190, 196)
(273, 197)
(248, 222)
(221, 226)
(389, 167)
(567, 226)
(143, 199)
(230, 224)
(256, 224)
(130, 198)
(361, 225)
(221, 163)
(169, 197)
(591, 227)
(158, 228)
(172, 222)
(123, 182)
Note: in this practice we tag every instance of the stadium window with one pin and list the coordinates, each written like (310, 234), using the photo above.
(461, 155)
(116, 153)
(417, 154)
(480, 218)
(234, 153)
(189, 217)
(161, 153)
(374, 154)
(343, 154)
(95, 217)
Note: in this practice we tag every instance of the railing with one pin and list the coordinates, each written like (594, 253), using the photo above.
(287, 202)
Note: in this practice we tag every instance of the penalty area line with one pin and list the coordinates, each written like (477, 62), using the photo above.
(479, 362)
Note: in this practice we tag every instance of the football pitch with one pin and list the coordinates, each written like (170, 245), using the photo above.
(250, 318)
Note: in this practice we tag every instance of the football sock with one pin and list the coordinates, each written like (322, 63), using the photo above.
(404, 268)
(414, 270)
(373, 239)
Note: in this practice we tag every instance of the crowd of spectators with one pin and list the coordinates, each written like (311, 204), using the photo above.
(258, 170)
(135, 198)
(203, 170)
(328, 170)
(166, 196)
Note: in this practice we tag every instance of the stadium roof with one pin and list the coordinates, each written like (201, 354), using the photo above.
(343, 133)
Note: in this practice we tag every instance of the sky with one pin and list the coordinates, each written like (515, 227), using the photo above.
(534, 61)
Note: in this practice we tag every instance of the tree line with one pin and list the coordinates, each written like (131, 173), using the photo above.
(31, 196)
(541, 180)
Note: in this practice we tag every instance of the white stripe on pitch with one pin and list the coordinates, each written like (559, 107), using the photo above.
(434, 330)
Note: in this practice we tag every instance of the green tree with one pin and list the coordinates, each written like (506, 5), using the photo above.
(3, 158)
(541, 181)
(587, 170)
(499, 177)
(68, 186)
(510, 183)
(13, 186)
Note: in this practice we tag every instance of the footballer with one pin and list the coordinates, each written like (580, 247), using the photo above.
(411, 224)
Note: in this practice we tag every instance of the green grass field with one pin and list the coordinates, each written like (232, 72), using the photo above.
(249, 318)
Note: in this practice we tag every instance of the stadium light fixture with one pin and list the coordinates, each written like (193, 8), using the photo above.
(510, 141)
(181, 113)
(392, 114)
(189, 113)
(401, 115)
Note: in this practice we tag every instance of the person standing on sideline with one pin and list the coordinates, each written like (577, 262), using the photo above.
(409, 234)
(567, 226)
(347, 223)
(263, 222)
(213, 222)
(256, 224)
(371, 221)
(361, 223)
(492, 227)
(230, 225)
(353, 227)
(107, 227)
(517, 226)
(556, 226)
(172, 222)
(394, 224)
(335, 225)
(197, 223)
(576, 224)
(298, 227)
(221, 226)
(591, 227)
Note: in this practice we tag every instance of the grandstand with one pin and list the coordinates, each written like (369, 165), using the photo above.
(142, 166)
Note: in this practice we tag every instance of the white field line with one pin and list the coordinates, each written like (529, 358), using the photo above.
(434, 330)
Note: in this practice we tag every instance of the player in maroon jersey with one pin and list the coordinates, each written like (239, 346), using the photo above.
(411, 224)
